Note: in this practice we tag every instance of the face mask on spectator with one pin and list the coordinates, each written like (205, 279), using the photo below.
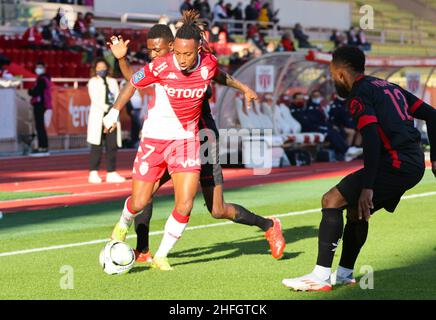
(39, 70)
(102, 73)
(317, 100)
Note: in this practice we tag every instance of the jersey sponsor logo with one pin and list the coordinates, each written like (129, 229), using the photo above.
(172, 75)
(190, 163)
(185, 93)
(138, 76)
(204, 72)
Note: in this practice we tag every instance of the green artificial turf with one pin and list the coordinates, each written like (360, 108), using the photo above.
(4, 196)
(223, 262)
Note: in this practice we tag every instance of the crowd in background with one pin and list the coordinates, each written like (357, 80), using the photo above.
(316, 113)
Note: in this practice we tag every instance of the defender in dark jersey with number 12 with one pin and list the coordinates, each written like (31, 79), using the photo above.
(393, 163)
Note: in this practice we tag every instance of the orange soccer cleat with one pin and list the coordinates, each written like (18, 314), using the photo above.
(143, 257)
(275, 238)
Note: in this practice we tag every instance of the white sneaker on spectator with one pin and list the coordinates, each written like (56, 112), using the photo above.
(352, 153)
(114, 177)
(94, 177)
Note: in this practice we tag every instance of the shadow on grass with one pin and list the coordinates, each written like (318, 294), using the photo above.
(252, 245)
(412, 282)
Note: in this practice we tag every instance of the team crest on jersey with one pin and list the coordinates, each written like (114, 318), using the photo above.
(204, 72)
(356, 107)
(138, 76)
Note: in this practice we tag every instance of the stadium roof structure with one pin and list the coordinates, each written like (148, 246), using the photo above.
(305, 71)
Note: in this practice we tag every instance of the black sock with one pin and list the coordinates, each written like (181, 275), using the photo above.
(243, 216)
(142, 228)
(330, 232)
(355, 234)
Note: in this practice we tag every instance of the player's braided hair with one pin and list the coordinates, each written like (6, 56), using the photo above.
(192, 28)
(350, 57)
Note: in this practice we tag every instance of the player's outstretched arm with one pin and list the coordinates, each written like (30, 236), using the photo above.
(111, 119)
(225, 79)
(428, 114)
(119, 49)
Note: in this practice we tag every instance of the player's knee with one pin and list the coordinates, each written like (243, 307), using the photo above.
(218, 212)
(184, 207)
(138, 204)
(332, 199)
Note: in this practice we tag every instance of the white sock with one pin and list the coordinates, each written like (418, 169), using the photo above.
(322, 273)
(344, 272)
(174, 228)
(127, 216)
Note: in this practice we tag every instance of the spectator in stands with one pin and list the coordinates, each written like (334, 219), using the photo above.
(238, 15)
(80, 25)
(302, 38)
(338, 38)
(251, 12)
(258, 41)
(363, 44)
(141, 57)
(352, 39)
(264, 16)
(287, 43)
(4, 73)
(42, 106)
(342, 121)
(33, 38)
(229, 10)
(91, 30)
(186, 5)
(203, 7)
(246, 55)
(214, 34)
(313, 119)
(55, 35)
(219, 11)
(103, 91)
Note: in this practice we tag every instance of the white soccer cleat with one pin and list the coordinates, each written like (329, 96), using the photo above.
(114, 177)
(338, 280)
(309, 282)
(94, 177)
(352, 153)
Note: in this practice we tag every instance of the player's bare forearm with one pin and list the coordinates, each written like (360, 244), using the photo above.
(225, 79)
(124, 96)
(125, 68)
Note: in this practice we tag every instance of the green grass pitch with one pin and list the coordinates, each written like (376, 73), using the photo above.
(221, 262)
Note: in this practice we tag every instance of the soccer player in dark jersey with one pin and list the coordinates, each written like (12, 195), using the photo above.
(393, 164)
(159, 43)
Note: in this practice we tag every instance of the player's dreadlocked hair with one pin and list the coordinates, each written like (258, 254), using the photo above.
(350, 57)
(191, 28)
(161, 31)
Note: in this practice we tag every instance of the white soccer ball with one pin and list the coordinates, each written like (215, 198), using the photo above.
(117, 257)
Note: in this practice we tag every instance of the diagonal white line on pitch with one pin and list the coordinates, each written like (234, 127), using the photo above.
(205, 226)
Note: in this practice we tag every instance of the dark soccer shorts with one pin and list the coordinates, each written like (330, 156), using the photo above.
(389, 187)
(211, 173)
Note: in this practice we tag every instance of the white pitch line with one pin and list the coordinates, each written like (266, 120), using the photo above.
(154, 233)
